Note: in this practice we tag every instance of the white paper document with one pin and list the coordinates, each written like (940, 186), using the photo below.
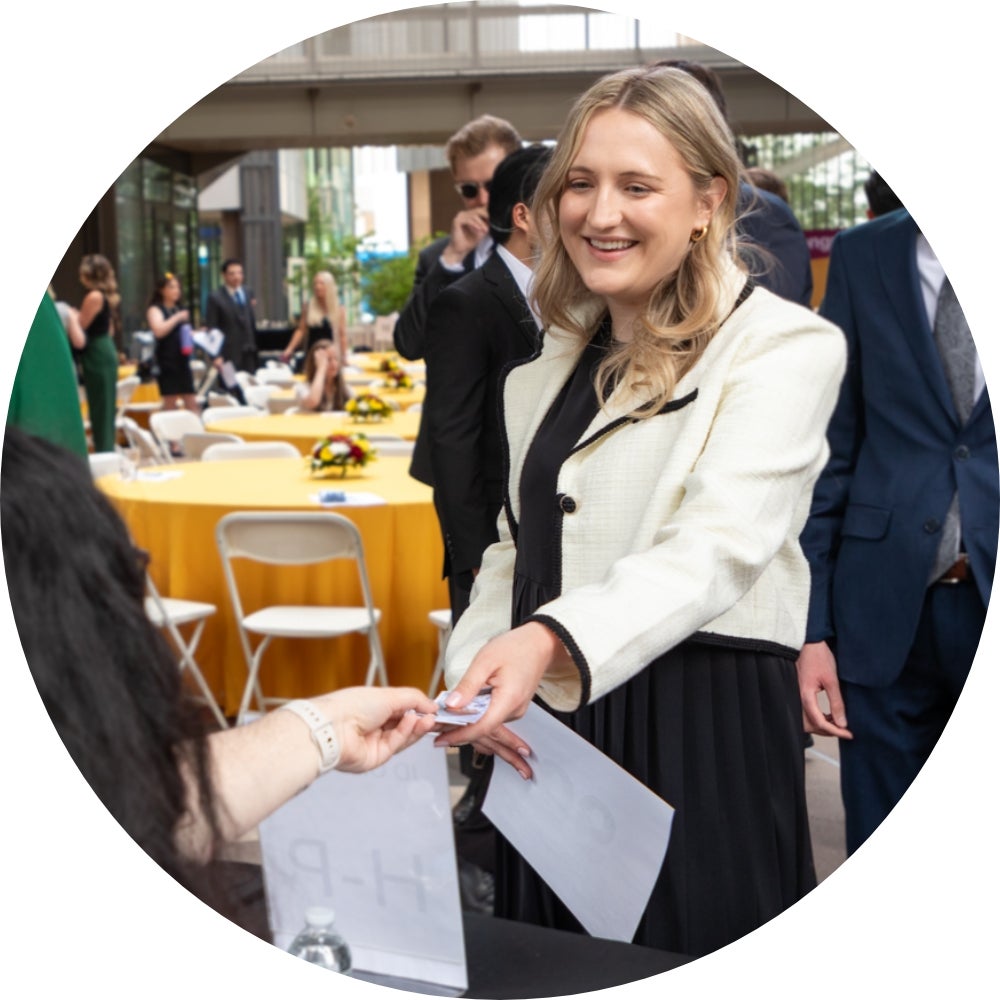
(210, 341)
(594, 833)
(378, 849)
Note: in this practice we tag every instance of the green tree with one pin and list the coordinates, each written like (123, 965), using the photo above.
(386, 282)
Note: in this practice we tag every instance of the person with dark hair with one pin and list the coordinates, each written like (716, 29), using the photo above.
(473, 154)
(648, 586)
(167, 320)
(111, 687)
(99, 358)
(475, 328)
(323, 386)
(230, 309)
(776, 248)
(768, 180)
(881, 198)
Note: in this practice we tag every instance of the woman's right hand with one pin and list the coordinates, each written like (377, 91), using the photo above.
(511, 666)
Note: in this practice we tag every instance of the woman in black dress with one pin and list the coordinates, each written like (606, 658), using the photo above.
(324, 318)
(648, 585)
(171, 326)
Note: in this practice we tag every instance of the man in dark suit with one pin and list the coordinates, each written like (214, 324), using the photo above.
(473, 154)
(230, 309)
(475, 327)
(902, 536)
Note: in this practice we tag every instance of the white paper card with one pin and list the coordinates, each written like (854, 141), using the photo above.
(377, 848)
(594, 833)
(210, 341)
(341, 498)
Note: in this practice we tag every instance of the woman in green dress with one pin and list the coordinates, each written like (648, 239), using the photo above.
(99, 358)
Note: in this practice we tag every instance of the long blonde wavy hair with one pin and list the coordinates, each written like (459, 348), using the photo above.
(685, 310)
(315, 313)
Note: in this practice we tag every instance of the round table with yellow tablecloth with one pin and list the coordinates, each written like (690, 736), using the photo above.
(305, 429)
(174, 519)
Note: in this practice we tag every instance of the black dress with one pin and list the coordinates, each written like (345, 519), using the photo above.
(174, 378)
(322, 330)
(714, 730)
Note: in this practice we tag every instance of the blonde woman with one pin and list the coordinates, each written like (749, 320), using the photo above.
(99, 358)
(648, 585)
(324, 318)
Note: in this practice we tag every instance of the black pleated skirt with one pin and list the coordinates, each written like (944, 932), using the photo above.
(717, 733)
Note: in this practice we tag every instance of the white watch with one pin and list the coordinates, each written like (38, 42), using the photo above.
(321, 730)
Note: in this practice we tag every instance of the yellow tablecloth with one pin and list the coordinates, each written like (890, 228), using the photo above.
(174, 520)
(305, 429)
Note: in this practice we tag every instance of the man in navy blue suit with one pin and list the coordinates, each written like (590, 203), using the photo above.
(902, 535)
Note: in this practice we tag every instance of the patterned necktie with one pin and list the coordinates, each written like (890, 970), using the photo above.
(958, 352)
(958, 358)
(238, 295)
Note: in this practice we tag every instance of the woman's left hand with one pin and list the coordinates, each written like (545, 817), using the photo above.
(511, 666)
(374, 723)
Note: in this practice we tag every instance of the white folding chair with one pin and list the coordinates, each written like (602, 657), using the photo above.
(230, 452)
(169, 614)
(441, 620)
(392, 446)
(170, 426)
(144, 443)
(222, 399)
(104, 463)
(281, 404)
(194, 445)
(295, 539)
(258, 395)
(124, 391)
(216, 413)
(277, 377)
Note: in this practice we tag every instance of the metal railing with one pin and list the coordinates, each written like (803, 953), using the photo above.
(490, 36)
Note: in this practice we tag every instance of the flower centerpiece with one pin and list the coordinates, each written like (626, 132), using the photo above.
(367, 407)
(390, 363)
(341, 452)
(397, 379)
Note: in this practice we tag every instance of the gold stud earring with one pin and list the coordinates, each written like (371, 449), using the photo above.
(697, 235)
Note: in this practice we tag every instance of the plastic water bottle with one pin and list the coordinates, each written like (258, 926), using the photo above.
(318, 942)
(187, 338)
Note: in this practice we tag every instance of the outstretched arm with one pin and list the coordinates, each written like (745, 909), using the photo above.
(258, 767)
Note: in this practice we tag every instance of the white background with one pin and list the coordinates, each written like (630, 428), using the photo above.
(87, 86)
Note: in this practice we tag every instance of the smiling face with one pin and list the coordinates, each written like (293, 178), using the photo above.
(627, 212)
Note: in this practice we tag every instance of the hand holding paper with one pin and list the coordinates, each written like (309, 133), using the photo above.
(511, 665)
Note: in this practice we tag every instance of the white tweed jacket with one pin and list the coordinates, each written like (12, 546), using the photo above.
(684, 524)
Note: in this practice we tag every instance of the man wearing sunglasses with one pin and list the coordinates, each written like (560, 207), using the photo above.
(473, 153)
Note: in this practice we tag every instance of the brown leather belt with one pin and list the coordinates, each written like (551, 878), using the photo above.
(959, 572)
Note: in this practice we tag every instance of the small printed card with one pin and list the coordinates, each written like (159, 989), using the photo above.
(472, 712)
